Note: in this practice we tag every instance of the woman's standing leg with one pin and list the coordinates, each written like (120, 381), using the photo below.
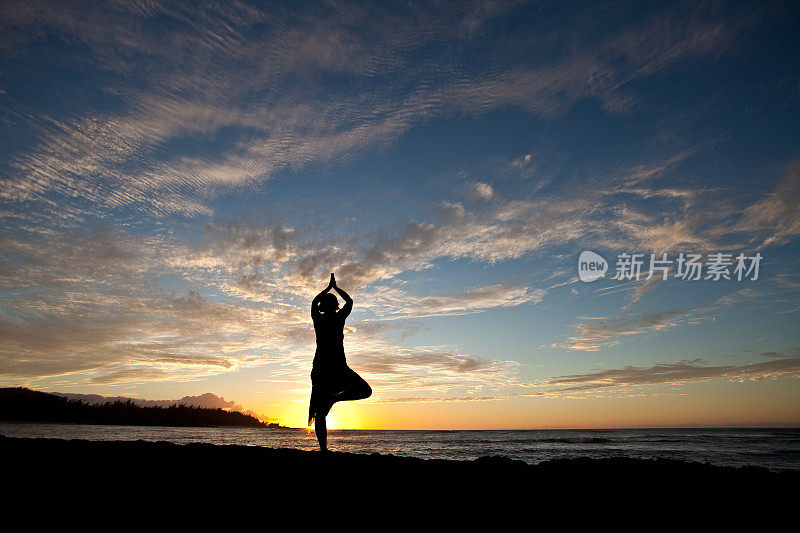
(321, 429)
(316, 411)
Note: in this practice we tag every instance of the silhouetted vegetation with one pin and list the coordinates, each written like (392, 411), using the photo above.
(25, 405)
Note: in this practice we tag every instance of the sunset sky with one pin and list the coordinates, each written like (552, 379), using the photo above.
(180, 179)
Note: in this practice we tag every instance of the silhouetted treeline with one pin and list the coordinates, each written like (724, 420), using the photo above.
(25, 405)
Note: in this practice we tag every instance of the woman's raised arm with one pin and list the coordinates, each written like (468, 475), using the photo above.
(348, 302)
(315, 302)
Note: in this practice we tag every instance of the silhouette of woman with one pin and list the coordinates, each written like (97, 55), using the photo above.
(331, 379)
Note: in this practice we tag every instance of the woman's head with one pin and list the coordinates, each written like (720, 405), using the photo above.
(329, 303)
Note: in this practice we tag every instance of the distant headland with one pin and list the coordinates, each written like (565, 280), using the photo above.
(19, 404)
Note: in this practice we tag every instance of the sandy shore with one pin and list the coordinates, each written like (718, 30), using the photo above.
(194, 471)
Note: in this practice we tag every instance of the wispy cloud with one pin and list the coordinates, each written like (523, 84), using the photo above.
(440, 399)
(482, 190)
(776, 218)
(670, 373)
(257, 72)
(433, 370)
(595, 333)
(475, 299)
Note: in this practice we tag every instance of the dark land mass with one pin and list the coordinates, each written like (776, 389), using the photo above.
(19, 404)
(110, 474)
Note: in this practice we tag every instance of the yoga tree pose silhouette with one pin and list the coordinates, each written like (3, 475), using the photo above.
(331, 379)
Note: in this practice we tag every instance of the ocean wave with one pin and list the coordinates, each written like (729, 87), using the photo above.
(575, 440)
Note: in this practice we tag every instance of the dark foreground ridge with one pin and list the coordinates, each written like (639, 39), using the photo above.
(24, 405)
(136, 467)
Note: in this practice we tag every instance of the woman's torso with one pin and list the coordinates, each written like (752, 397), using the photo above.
(330, 342)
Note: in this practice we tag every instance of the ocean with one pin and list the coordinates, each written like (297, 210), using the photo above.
(775, 449)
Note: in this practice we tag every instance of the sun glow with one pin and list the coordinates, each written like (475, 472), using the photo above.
(331, 422)
(349, 415)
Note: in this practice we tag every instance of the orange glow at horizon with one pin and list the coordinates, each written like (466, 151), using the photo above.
(699, 404)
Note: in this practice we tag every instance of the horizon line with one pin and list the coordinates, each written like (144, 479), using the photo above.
(796, 426)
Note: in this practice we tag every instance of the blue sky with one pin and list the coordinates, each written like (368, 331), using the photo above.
(179, 179)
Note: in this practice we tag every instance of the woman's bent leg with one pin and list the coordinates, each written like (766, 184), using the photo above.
(356, 388)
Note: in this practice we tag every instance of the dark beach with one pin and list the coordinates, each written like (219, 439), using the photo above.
(132, 468)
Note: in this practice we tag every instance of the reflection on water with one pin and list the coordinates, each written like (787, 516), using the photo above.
(777, 449)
